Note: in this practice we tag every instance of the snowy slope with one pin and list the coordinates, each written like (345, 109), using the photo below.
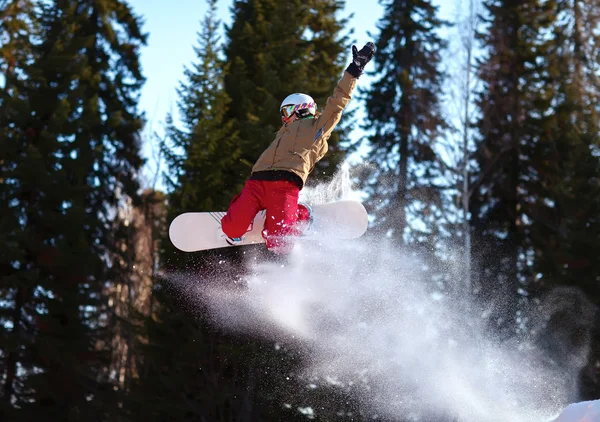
(587, 411)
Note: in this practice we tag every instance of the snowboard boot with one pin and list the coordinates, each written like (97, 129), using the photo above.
(305, 217)
(231, 241)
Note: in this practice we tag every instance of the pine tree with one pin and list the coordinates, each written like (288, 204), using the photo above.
(274, 49)
(564, 213)
(201, 155)
(510, 105)
(404, 117)
(18, 27)
(73, 149)
(202, 152)
(565, 228)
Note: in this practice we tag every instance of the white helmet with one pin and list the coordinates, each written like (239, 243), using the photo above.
(301, 104)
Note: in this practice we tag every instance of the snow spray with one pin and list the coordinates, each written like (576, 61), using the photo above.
(367, 316)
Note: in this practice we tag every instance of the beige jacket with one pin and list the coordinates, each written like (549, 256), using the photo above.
(299, 145)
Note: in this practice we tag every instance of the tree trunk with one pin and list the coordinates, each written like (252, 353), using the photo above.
(465, 152)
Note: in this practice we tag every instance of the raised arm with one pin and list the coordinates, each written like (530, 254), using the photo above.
(342, 93)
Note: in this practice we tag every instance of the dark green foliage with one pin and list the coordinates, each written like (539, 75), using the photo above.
(535, 204)
(203, 151)
(17, 27)
(70, 151)
(507, 130)
(404, 116)
(565, 225)
(565, 203)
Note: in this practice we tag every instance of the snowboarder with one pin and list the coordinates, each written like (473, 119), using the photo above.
(281, 171)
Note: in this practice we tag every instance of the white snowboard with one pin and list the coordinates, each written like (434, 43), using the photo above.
(197, 231)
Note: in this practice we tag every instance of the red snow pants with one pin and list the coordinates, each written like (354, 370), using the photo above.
(280, 200)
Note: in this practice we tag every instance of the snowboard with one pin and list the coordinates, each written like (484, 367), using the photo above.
(198, 231)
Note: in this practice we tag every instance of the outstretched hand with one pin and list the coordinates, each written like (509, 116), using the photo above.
(360, 59)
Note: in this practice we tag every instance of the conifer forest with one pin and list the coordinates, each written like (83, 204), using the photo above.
(474, 144)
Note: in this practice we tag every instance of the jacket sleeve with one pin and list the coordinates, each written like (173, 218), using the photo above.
(336, 104)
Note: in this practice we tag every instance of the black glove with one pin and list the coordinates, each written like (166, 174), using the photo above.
(360, 59)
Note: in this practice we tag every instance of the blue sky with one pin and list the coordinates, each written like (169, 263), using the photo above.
(172, 29)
